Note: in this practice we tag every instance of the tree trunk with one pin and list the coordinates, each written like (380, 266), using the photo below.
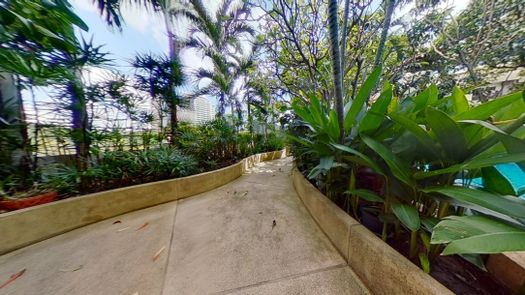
(250, 119)
(220, 111)
(389, 10)
(344, 34)
(336, 65)
(233, 114)
(173, 123)
(80, 127)
(173, 51)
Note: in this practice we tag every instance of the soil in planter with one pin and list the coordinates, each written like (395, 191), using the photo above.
(458, 275)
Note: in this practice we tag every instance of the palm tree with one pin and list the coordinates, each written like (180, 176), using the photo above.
(336, 64)
(110, 9)
(218, 38)
(257, 96)
(74, 94)
(389, 10)
(158, 76)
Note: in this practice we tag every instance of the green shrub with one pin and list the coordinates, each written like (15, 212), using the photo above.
(426, 150)
(121, 168)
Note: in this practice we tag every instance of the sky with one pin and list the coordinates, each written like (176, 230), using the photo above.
(144, 31)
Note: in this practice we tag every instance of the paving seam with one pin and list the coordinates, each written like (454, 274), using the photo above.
(292, 276)
(169, 247)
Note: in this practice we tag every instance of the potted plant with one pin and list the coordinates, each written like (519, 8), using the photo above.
(11, 200)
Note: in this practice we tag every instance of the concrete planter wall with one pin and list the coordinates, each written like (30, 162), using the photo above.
(382, 269)
(24, 227)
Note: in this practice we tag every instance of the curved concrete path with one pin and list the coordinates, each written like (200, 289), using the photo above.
(251, 236)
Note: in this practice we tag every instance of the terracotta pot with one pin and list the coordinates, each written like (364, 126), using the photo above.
(22, 203)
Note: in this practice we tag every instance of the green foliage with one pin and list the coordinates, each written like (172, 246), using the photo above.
(428, 150)
(216, 143)
(33, 33)
(122, 168)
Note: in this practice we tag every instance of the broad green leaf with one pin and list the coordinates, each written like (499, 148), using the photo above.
(459, 227)
(483, 124)
(317, 111)
(365, 194)
(488, 243)
(513, 145)
(421, 135)
(476, 259)
(300, 140)
(314, 172)
(496, 182)
(47, 32)
(426, 97)
(368, 162)
(408, 215)
(302, 113)
(325, 164)
(333, 126)
(398, 167)
(486, 143)
(485, 110)
(507, 205)
(448, 133)
(478, 130)
(460, 101)
(361, 98)
(72, 17)
(392, 107)
(476, 163)
(510, 112)
(376, 114)
(429, 223)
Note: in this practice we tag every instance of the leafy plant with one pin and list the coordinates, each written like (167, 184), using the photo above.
(428, 150)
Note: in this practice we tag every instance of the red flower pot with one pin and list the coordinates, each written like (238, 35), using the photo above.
(22, 203)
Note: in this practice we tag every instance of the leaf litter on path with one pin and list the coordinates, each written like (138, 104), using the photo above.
(157, 255)
(71, 269)
(143, 226)
(13, 278)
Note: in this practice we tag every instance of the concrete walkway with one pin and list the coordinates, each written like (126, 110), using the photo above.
(251, 236)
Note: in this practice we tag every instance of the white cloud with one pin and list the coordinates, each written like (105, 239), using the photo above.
(146, 22)
(84, 5)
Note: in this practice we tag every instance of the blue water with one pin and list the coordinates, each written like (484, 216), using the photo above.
(513, 173)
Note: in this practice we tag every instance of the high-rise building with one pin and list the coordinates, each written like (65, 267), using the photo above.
(199, 111)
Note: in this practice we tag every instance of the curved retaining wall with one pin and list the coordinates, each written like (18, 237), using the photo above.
(381, 268)
(24, 227)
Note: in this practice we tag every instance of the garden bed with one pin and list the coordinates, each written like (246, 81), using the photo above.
(384, 268)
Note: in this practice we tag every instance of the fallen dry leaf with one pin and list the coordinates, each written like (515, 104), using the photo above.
(117, 221)
(123, 229)
(143, 226)
(13, 277)
(156, 256)
(71, 269)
